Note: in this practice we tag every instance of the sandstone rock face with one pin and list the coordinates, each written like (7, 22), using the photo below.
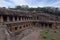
(2, 33)
(6, 35)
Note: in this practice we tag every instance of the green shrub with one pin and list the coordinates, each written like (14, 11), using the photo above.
(44, 36)
(53, 39)
(55, 31)
(46, 31)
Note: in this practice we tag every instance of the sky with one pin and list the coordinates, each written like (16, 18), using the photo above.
(30, 3)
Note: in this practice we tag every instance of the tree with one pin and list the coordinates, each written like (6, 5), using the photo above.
(18, 7)
(25, 7)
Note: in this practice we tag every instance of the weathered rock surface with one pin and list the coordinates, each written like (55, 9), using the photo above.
(24, 35)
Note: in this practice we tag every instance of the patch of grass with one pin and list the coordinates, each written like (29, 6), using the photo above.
(46, 31)
(44, 36)
(50, 34)
(53, 39)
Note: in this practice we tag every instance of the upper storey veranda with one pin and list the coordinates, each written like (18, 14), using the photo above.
(18, 15)
(4, 11)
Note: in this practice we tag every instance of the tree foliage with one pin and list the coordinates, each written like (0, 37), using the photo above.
(49, 10)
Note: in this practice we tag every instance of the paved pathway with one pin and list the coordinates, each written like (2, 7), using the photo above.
(33, 36)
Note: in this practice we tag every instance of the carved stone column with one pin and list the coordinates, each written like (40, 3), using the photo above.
(24, 18)
(17, 18)
(8, 19)
(44, 26)
(21, 18)
(28, 18)
(48, 26)
(1, 18)
(53, 25)
(13, 18)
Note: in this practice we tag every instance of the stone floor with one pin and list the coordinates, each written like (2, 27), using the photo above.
(33, 36)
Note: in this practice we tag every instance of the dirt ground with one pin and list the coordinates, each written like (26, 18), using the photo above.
(33, 36)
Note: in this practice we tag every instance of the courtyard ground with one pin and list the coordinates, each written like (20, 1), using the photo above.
(42, 34)
(33, 36)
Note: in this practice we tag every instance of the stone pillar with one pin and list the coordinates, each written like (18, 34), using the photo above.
(44, 26)
(47, 26)
(21, 18)
(8, 19)
(24, 18)
(28, 18)
(13, 18)
(17, 18)
(39, 25)
(1, 18)
(36, 18)
(53, 25)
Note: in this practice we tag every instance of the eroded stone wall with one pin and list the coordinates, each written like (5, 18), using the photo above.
(10, 31)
